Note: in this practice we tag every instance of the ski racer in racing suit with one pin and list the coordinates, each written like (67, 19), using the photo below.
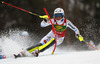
(60, 24)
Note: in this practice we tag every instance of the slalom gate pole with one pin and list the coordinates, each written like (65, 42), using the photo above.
(20, 9)
(90, 45)
(53, 30)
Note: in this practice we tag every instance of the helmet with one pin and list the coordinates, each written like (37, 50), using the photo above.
(25, 33)
(58, 12)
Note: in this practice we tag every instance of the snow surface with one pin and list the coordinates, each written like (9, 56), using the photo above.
(84, 57)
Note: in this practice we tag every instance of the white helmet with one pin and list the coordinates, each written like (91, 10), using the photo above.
(59, 11)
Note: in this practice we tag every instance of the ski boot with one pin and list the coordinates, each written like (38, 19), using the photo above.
(36, 53)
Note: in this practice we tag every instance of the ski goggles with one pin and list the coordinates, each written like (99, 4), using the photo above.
(58, 15)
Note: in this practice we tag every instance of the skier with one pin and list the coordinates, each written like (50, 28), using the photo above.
(60, 24)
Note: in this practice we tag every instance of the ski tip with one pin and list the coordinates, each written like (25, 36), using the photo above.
(15, 56)
(2, 1)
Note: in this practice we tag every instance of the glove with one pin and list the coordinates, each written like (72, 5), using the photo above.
(2, 2)
(44, 17)
(79, 37)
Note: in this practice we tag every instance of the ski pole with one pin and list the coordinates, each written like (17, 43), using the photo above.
(44, 16)
(90, 45)
(53, 30)
(81, 39)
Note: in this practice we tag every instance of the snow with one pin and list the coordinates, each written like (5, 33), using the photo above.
(83, 57)
(11, 45)
(14, 42)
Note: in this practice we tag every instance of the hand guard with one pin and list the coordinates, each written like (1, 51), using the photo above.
(79, 37)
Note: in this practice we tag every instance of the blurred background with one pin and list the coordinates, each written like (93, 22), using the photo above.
(85, 14)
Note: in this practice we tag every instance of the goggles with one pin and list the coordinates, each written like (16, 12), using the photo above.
(58, 15)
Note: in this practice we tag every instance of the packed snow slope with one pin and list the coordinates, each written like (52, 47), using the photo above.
(83, 57)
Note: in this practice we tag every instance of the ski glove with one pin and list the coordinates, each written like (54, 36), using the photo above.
(44, 17)
(79, 37)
